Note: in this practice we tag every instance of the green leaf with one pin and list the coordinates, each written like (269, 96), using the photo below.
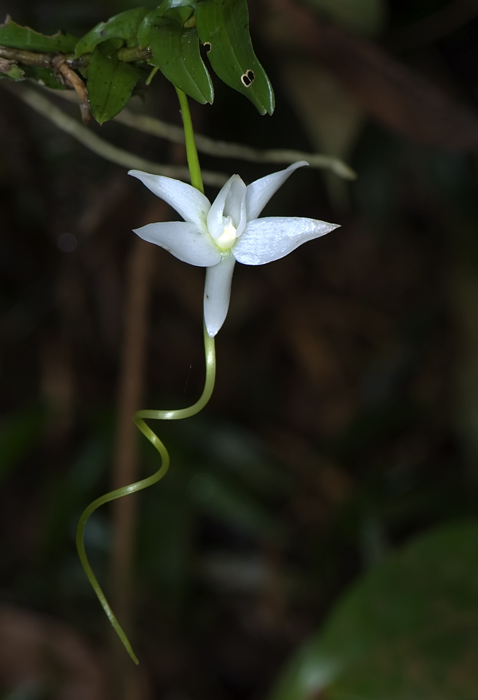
(12, 34)
(176, 53)
(123, 26)
(110, 82)
(406, 630)
(183, 8)
(145, 27)
(223, 25)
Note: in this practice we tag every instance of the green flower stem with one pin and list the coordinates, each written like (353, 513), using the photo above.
(179, 413)
(139, 417)
(192, 154)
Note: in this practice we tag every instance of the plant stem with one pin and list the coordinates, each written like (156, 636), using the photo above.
(44, 59)
(192, 154)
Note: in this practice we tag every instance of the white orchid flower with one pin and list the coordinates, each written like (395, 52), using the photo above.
(217, 235)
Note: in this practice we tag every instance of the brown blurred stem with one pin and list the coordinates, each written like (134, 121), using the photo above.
(130, 395)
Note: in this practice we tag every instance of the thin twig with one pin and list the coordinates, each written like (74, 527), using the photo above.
(224, 149)
(27, 58)
(156, 127)
(46, 59)
(72, 79)
(106, 150)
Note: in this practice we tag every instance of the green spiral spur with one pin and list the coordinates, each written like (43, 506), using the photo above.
(139, 419)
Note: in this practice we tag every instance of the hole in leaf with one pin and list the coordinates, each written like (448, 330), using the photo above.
(207, 46)
(248, 77)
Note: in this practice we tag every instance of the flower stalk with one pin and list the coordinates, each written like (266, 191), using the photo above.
(141, 416)
(191, 150)
(139, 419)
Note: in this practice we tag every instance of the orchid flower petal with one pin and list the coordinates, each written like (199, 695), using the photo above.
(189, 202)
(217, 293)
(184, 240)
(271, 238)
(216, 236)
(229, 202)
(259, 192)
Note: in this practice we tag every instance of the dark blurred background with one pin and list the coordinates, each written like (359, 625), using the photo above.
(344, 421)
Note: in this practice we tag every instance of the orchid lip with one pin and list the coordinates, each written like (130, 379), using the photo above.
(228, 236)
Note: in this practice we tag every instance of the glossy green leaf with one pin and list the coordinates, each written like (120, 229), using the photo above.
(123, 26)
(223, 25)
(12, 34)
(182, 11)
(176, 53)
(406, 630)
(110, 82)
(145, 27)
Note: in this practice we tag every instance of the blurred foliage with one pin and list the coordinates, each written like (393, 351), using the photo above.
(365, 17)
(340, 447)
(19, 432)
(406, 630)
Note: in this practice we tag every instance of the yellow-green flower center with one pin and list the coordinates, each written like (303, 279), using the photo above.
(228, 236)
